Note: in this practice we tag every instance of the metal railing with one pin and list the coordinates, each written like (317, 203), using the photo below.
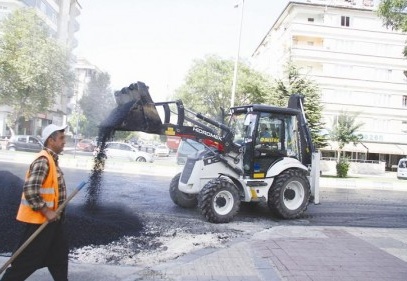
(353, 160)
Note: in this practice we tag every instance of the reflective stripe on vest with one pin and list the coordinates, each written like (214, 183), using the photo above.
(48, 192)
(50, 204)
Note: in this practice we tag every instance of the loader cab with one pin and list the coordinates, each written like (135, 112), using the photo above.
(267, 135)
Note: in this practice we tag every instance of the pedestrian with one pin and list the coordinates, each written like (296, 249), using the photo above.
(43, 191)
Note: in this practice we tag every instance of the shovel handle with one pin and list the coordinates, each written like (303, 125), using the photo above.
(43, 225)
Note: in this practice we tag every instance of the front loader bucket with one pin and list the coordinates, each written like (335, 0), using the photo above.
(135, 111)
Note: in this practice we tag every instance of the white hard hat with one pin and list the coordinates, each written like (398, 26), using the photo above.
(50, 129)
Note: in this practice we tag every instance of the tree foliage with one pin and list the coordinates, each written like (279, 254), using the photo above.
(295, 83)
(34, 68)
(393, 13)
(77, 122)
(208, 86)
(344, 130)
(96, 103)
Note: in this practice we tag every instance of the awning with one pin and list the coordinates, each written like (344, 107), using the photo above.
(369, 147)
(333, 145)
(387, 148)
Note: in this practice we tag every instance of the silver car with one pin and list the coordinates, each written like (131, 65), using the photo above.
(162, 150)
(24, 143)
(127, 151)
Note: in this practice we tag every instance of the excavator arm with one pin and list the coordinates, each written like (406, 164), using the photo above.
(136, 111)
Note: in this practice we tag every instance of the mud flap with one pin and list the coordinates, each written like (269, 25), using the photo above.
(135, 111)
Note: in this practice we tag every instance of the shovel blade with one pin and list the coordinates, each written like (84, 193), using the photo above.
(135, 111)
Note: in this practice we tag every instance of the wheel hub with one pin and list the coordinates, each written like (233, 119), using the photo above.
(294, 195)
(223, 202)
(289, 194)
(220, 202)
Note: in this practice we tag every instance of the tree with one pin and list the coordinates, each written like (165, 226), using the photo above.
(295, 83)
(96, 103)
(34, 68)
(344, 131)
(393, 13)
(208, 86)
(77, 121)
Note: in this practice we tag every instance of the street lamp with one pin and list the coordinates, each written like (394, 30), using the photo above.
(232, 100)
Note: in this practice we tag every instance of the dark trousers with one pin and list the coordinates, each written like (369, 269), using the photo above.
(48, 249)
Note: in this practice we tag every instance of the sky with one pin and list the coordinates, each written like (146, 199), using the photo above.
(156, 41)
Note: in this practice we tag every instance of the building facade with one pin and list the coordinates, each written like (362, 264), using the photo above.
(357, 63)
(84, 71)
(60, 16)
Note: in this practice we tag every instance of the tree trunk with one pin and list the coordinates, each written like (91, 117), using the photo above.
(339, 155)
(12, 127)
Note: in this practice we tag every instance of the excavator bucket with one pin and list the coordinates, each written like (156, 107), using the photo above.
(135, 111)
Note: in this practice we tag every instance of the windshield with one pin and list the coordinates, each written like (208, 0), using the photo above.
(277, 132)
(238, 128)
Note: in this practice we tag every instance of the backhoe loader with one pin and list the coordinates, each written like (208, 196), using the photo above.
(262, 154)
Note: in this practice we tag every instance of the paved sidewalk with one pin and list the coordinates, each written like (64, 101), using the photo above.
(299, 253)
(279, 253)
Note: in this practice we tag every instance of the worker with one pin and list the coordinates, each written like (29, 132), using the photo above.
(43, 191)
(264, 132)
(264, 137)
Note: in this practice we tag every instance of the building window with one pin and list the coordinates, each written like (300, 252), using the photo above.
(404, 101)
(58, 2)
(310, 19)
(404, 126)
(345, 21)
(43, 7)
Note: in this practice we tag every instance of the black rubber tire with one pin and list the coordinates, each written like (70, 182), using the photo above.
(141, 159)
(216, 194)
(289, 195)
(180, 198)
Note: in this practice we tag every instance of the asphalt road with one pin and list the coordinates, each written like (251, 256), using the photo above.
(139, 205)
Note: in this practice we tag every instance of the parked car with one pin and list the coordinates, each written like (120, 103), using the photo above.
(85, 145)
(127, 151)
(162, 150)
(402, 169)
(173, 143)
(187, 147)
(24, 143)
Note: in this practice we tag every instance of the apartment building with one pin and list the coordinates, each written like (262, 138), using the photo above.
(357, 63)
(60, 16)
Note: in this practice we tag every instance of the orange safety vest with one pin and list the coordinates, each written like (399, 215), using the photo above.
(48, 192)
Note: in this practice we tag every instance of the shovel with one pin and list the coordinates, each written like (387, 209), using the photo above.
(35, 234)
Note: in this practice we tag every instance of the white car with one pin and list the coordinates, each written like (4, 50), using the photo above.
(127, 151)
(162, 150)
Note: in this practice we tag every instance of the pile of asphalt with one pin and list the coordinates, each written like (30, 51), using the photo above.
(10, 195)
(85, 224)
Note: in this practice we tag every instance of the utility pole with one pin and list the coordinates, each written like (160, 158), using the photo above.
(77, 123)
(232, 100)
